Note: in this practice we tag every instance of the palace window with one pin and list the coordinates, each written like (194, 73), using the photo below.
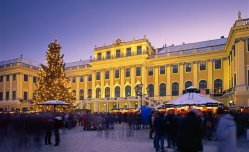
(203, 84)
(107, 92)
(150, 90)
(217, 64)
(13, 95)
(81, 78)
(1, 78)
(138, 71)
(81, 94)
(89, 77)
(235, 80)
(99, 56)
(162, 90)
(106, 74)
(1, 96)
(7, 95)
(127, 72)
(175, 68)
(150, 71)
(139, 50)
(202, 66)
(98, 93)
(218, 86)
(34, 79)
(117, 73)
(162, 69)
(127, 91)
(248, 44)
(14, 77)
(188, 84)
(97, 75)
(25, 95)
(8, 78)
(73, 79)
(89, 93)
(108, 55)
(117, 91)
(26, 77)
(118, 54)
(175, 89)
(188, 67)
(128, 51)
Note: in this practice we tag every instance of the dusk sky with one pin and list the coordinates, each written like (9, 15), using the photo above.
(28, 26)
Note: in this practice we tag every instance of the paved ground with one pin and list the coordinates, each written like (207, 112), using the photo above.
(121, 139)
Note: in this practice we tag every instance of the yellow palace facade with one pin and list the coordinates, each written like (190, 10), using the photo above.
(219, 68)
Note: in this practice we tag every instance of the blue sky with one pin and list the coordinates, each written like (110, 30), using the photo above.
(28, 26)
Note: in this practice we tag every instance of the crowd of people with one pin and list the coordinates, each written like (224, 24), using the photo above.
(185, 133)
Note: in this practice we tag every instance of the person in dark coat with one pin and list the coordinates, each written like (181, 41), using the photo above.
(189, 138)
(48, 130)
(159, 128)
(171, 127)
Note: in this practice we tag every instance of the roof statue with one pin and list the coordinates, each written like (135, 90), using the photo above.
(239, 16)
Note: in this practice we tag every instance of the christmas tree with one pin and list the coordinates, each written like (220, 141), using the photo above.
(52, 81)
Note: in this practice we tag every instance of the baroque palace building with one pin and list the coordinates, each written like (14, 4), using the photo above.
(219, 68)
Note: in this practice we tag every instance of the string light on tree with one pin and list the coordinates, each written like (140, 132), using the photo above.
(52, 81)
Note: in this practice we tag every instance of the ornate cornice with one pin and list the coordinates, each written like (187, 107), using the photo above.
(240, 39)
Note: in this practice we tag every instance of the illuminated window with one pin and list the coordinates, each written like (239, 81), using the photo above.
(89, 77)
(218, 86)
(138, 71)
(202, 66)
(25, 95)
(14, 77)
(1, 78)
(89, 93)
(13, 95)
(98, 93)
(1, 96)
(188, 67)
(150, 71)
(127, 91)
(81, 94)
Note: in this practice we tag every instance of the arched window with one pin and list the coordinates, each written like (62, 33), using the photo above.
(175, 89)
(188, 84)
(218, 86)
(89, 93)
(81, 94)
(162, 89)
(127, 91)
(117, 91)
(107, 92)
(150, 90)
(203, 84)
(98, 93)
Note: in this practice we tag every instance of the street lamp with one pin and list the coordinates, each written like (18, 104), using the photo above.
(139, 92)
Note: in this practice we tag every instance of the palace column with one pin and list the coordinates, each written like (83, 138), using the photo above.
(156, 82)
(133, 76)
(195, 74)
(144, 78)
(122, 77)
(11, 90)
(30, 92)
(181, 75)
(112, 94)
(168, 82)
(210, 75)
(102, 83)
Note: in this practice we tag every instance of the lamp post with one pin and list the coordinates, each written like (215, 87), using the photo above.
(139, 91)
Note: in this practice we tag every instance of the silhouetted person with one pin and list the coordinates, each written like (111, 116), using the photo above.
(48, 130)
(189, 137)
(57, 125)
(159, 126)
